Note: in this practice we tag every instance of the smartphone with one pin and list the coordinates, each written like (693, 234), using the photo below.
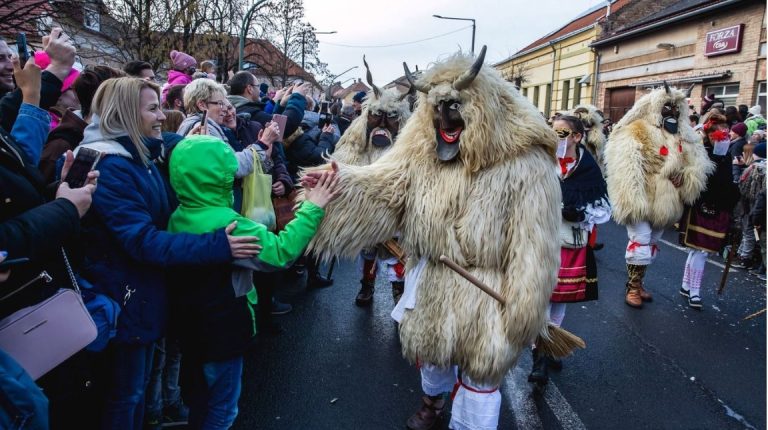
(281, 121)
(204, 123)
(21, 46)
(7, 264)
(324, 107)
(85, 161)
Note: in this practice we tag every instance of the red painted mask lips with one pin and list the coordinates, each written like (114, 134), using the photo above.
(452, 135)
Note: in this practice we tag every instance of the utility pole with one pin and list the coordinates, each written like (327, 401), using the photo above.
(244, 30)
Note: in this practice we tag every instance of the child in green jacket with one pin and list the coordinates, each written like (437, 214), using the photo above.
(210, 310)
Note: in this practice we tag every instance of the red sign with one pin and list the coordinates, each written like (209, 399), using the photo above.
(724, 41)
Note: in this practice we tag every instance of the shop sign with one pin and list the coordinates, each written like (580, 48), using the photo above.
(724, 41)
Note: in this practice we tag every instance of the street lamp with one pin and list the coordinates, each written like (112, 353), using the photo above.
(463, 19)
(244, 30)
(333, 79)
(303, 33)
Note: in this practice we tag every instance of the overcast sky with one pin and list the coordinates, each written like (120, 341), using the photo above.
(505, 26)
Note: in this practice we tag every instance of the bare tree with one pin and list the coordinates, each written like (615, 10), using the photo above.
(288, 30)
(517, 74)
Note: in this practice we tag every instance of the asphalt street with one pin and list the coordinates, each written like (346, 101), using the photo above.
(667, 366)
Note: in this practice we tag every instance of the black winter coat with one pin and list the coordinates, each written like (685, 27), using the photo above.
(721, 193)
(308, 150)
(32, 228)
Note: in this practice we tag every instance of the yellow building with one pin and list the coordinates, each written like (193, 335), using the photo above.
(557, 71)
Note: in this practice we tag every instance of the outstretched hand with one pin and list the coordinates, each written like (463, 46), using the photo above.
(241, 246)
(326, 190)
(310, 179)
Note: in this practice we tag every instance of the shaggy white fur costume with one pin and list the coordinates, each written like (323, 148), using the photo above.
(494, 210)
(637, 171)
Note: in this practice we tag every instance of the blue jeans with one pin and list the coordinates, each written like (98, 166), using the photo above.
(130, 368)
(215, 394)
(163, 390)
(22, 404)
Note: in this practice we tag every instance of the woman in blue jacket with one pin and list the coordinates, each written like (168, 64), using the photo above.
(128, 248)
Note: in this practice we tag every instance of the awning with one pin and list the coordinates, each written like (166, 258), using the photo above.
(686, 80)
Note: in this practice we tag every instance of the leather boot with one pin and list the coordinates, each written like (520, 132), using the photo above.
(645, 294)
(397, 290)
(429, 414)
(633, 296)
(365, 295)
(635, 275)
(540, 372)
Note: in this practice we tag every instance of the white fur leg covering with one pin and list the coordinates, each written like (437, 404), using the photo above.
(437, 380)
(642, 248)
(475, 406)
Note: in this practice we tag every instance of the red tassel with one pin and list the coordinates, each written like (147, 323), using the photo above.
(680, 148)
(664, 151)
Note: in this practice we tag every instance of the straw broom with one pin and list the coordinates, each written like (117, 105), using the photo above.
(556, 343)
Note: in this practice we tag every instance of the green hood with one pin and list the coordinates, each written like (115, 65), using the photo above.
(202, 170)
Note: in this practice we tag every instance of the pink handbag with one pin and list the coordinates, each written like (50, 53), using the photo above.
(42, 336)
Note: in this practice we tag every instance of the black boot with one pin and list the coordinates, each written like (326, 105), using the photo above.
(540, 373)
(365, 296)
(314, 278)
(397, 290)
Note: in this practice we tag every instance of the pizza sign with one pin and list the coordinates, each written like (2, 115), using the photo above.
(724, 41)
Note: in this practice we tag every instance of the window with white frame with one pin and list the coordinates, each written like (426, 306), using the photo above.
(725, 92)
(91, 17)
(761, 93)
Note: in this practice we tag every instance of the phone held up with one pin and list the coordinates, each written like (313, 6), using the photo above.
(21, 46)
(281, 121)
(85, 161)
(204, 123)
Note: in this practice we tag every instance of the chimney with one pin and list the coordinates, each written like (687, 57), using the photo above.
(608, 9)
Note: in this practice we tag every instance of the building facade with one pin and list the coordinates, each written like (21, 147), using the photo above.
(557, 71)
(717, 47)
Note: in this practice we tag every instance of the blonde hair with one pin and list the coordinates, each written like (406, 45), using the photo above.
(200, 89)
(118, 104)
(173, 120)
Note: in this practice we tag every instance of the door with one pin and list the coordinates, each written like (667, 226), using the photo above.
(620, 100)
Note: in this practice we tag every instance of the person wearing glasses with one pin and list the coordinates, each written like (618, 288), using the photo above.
(206, 95)
(585, 203)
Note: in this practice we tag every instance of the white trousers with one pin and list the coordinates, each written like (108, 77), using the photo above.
(475, 406)
(643, 247)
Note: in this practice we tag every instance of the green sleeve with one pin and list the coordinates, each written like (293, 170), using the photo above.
(279, 250)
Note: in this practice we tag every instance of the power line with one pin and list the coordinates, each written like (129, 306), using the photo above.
(395, 44)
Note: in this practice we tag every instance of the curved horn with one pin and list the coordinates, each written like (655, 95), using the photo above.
(666, 88)
(689, 90)
(467, 77)
(411, 81)
(411, 90)
(369, 78)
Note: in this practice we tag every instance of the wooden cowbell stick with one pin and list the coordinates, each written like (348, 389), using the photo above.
(466, 275)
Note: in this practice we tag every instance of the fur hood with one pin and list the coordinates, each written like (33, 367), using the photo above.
(353, 148)
(499, 122)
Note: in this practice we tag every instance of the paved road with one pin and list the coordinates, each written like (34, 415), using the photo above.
(666, 366)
